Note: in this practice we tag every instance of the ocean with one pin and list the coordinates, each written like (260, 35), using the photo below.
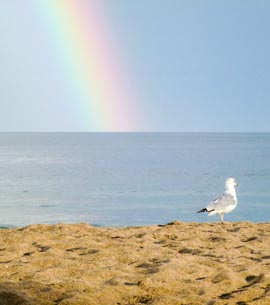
(126, 179)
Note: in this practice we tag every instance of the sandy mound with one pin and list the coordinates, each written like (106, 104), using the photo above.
(179, 263)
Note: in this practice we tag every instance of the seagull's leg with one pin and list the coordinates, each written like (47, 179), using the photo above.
(221, 217)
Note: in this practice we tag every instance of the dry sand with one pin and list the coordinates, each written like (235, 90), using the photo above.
(179, 263)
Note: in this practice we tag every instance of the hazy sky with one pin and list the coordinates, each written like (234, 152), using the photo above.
(192, 66)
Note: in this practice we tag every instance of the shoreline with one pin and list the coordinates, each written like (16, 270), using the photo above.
(94, 225)
(171, 264)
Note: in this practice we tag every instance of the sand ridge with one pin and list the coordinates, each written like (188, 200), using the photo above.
(173, 264)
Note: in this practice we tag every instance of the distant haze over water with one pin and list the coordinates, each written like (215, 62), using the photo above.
(119, 179)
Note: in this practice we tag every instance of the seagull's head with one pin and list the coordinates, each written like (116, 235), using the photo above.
(230, 182)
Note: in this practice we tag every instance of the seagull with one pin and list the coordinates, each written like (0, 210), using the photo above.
(224, 203)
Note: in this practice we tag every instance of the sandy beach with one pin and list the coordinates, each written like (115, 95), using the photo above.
(173, 264)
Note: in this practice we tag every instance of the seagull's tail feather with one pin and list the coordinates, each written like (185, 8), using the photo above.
(203, 210)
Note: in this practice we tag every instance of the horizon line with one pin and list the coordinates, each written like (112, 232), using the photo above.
(187, 132)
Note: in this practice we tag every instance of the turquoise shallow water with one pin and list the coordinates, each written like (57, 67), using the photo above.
(119, 179)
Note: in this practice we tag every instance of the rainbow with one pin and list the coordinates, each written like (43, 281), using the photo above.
(92, 63)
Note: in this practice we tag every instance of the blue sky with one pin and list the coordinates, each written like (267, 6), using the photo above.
(194, 65)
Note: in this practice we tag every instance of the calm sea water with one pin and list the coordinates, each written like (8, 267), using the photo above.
(119, 179)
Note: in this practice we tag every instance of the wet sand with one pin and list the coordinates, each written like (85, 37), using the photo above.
(178, 263)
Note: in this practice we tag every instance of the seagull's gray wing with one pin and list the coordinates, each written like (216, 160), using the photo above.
(221, 202)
